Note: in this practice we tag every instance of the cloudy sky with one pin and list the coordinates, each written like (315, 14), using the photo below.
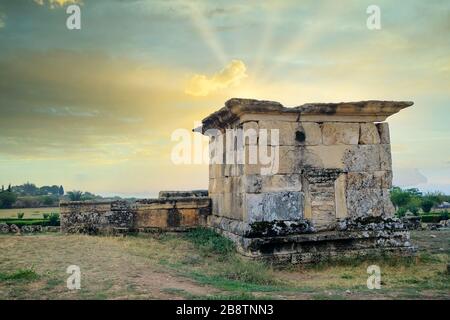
(94, 109)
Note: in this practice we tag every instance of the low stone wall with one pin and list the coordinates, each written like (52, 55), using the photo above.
(94, 217)
(171, 213)
(176, 211)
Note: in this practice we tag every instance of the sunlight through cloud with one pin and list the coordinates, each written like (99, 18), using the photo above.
(231, 75)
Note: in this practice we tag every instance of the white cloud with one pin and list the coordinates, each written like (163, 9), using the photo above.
(231, 75)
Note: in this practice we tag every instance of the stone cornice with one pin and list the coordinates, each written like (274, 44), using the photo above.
(361, 111)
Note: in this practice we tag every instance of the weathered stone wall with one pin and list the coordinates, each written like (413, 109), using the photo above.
(327, 171)
(94, 217)
(170, 213)
(333, 164)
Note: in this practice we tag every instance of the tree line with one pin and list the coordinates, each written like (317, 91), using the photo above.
(413, 200)
(28, 195)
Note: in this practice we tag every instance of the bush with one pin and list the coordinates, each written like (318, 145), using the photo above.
(20, 215)
(53, 219)
(426, 205)
(414, 207)
(45, 216)
(444, 215)
(24, 222)
(401, 212)
(430, 218)
(75, 195)
(48, 201)
(7, 199)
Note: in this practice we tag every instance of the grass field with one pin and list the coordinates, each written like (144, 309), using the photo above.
(29, 213)
(204, 266)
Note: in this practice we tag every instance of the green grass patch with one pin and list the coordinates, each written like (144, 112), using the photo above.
(382, 260)
(19, 275)
(208, 241)
(430, 218)
(31, 222)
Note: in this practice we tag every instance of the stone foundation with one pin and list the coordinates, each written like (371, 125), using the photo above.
(298, 242)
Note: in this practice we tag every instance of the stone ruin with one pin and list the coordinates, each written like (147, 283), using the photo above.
(298, 185)
(323, 194)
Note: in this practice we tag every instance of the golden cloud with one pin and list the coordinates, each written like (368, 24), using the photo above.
(231, 75)
(57, 3)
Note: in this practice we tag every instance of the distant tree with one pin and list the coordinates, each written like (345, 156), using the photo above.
(9, 188)
(414, 205)
(7, 199)
(75, 195)
(3, 188)
(436, 196)
(29, 189)
(61, 191)
(399, 197)
(48, 200)
(414, 192)
(426, 205)
(88, 196)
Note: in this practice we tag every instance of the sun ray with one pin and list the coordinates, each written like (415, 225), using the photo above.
(205, 30)
(305, 37)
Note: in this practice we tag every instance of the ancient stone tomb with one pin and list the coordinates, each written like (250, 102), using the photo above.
(303, 183)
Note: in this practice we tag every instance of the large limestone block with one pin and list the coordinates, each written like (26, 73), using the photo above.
(312, 133)
(369, 134)
(383, 130)
(216, 170)
(286, 131)
(340, 197)
(232, 206)
(386, 178)
(152, 218)
(340, 133)
(388, 207)
(365, 202)
(217, 204)
(326, 157)
(193, 203)
(323, 218)
(250, 134)
(214, 186)
(289, 160)
(385, 157)
(271, 183)
(189, 217)
(294, 133)
(272, 160)
(158, 204)
(362, 158)
(364, 180)
(274, 206)
(231, 184)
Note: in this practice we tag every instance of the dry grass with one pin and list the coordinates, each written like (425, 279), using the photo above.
(176, 267)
